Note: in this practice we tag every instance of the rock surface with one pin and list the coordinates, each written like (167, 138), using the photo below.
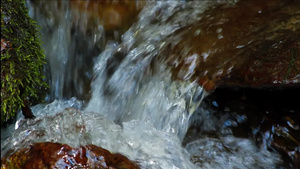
(112, 15)
(56, 155)
(250, 43)
(242, 51)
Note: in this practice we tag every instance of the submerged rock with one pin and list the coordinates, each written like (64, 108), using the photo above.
(270, 117)
(250, 43)
(56, 155)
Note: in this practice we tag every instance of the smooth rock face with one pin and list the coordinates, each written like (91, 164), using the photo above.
(56, 155)
(250, 43)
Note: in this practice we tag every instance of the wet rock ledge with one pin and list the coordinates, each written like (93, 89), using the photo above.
(56, 155)
(248, 44)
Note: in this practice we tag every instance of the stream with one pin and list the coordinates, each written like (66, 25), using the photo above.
(116, 91)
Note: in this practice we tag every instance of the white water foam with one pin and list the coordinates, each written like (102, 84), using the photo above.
(230, 152)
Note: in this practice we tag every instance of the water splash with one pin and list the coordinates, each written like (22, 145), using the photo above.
(230, 152)
(138, 90)
(157, 149)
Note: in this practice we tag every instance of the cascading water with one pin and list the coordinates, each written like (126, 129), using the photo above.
(69, 50)
(136, 108)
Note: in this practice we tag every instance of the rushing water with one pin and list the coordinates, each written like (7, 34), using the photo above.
(134, 106)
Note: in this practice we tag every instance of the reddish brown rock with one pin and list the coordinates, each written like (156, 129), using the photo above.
(111, 14)
(55, 155)
(250, 43)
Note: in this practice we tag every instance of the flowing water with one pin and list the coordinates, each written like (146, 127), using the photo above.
(120, 95)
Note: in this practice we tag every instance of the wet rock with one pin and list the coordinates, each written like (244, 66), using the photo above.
(112, 15)
(26, 111)
(249, 53)
(270, 117)
(276, 66)
(56, 155)
(250, 43)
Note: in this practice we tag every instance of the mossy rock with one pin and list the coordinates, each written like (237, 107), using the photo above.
(22, 59)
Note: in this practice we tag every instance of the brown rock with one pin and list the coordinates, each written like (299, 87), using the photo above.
(111, 14)
(56, 155)
(250, 43)
(278, 65)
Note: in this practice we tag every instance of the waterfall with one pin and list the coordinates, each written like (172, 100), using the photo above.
(120, 95)
(137, 90)
(69, 50)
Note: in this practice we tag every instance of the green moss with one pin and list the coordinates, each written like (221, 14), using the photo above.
(291, 63)
(21, 61)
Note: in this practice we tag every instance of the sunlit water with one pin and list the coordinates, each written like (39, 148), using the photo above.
(137, 110)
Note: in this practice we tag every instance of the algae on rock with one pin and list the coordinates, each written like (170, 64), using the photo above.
(22, 59)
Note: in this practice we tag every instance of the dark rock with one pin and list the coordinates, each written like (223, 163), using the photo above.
(278, 65)
(270, 117)
(26, 111)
